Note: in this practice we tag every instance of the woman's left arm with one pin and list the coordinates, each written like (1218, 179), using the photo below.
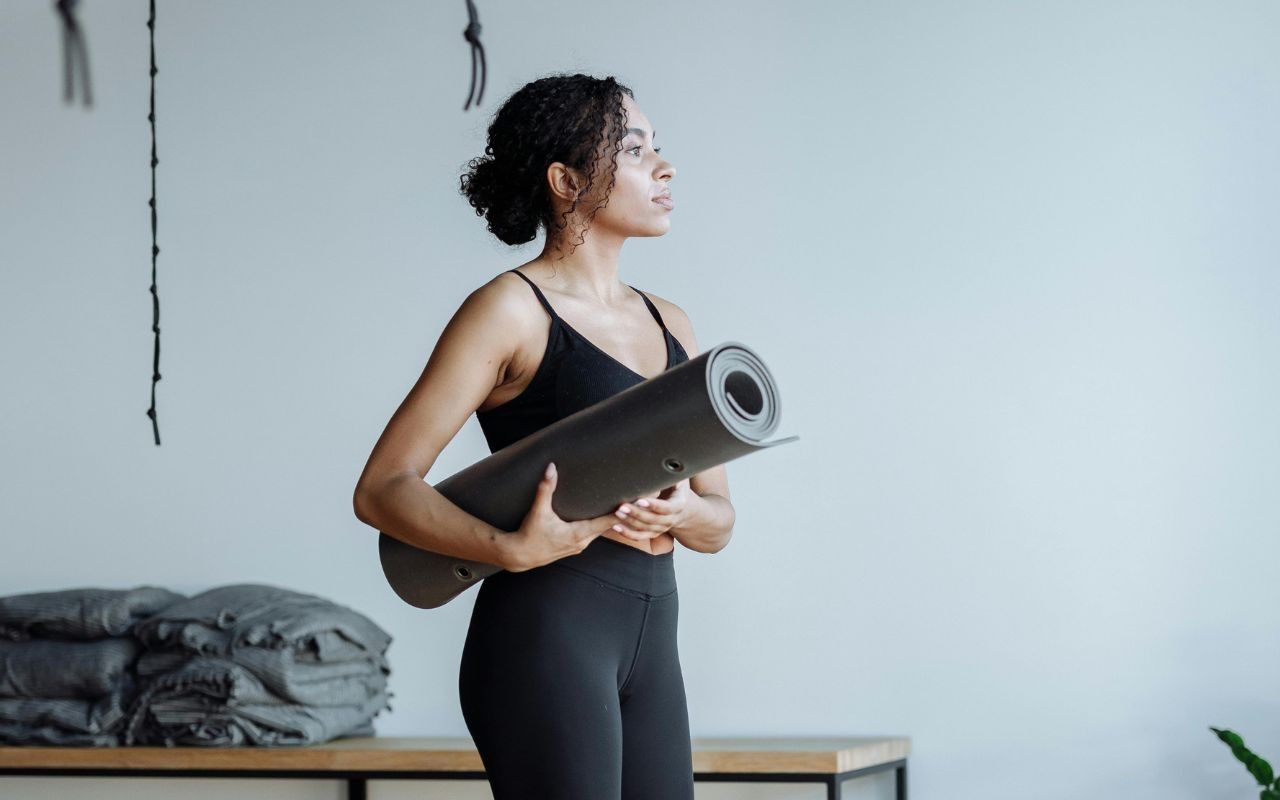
(706, 522)
(709, 515)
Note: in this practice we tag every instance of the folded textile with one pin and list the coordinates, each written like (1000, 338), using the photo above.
(246, 664)
(319, 683)
(102, 716)
(223, 619)
(89, 613)
(12, 733)
(50, 668)
(215, 702)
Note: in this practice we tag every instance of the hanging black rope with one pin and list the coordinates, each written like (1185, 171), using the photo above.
(73, 48)
(155, 251)
(472, 35)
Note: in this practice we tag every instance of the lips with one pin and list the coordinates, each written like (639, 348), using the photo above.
(665, 200)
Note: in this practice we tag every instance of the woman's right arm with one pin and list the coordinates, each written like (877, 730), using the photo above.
(468, 361)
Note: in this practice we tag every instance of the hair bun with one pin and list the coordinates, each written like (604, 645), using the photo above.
(493, 187)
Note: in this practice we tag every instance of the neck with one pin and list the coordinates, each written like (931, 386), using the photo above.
(589, 272)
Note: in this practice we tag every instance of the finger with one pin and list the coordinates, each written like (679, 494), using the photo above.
(655, 505)
(585, 530)
(637, 525)
(631, 516)
(628, 511)
(546, 486)
(642, 521)
(625, 525)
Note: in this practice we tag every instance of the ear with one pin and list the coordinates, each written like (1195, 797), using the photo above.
(563, 181)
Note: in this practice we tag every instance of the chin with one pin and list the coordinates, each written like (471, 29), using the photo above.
(661, 227)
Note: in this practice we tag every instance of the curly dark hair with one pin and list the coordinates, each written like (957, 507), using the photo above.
(565, 118)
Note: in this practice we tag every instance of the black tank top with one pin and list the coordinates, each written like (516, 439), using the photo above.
(573, 375)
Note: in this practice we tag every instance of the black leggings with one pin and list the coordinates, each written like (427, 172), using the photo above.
(570, 679)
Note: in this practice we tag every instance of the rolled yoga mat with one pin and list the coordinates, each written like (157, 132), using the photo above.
(696, 415)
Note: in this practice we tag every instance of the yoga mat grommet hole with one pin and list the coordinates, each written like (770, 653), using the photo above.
(673, 465)
(462, 572)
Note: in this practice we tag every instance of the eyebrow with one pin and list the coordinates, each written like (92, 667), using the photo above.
(641, 132)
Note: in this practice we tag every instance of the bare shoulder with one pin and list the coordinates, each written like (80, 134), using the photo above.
(677, 321)
(489, 329)
(508, 306)
(512, 312)
(506, 292)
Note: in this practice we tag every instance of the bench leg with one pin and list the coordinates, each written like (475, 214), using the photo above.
(902, 781)
(357, 789)
(833, 788)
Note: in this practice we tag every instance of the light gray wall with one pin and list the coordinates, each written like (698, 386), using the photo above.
(1012, 264)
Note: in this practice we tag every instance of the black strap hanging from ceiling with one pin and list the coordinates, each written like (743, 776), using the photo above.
(73, 49)
(472, 35)
(155, 251)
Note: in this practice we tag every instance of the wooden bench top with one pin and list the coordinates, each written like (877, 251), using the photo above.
(391, 754)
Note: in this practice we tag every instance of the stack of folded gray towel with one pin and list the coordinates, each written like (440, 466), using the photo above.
(258, 665)
(236, 665)
(66, 663)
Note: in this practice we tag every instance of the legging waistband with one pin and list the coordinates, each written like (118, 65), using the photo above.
(624, 567)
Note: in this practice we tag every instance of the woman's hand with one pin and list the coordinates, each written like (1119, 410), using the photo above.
(654, 515)
(543, 536)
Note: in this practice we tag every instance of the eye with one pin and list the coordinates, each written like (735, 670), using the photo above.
(639, 146)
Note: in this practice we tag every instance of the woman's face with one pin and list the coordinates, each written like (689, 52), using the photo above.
(642, 177)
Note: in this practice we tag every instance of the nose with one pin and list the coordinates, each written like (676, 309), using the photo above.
(666, 170)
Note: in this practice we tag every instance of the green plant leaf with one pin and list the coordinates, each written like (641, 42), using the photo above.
(1232, 738)
(1269, 794)
(1262, 771)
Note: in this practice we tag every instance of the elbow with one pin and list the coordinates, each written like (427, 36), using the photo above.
(361, 503)
(368, 496)
(724, 542)
(358, 506)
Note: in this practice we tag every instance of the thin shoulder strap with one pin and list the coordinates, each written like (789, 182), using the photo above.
(541, 298)
(652, 308)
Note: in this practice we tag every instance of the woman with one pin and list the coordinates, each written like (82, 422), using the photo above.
(570, 679)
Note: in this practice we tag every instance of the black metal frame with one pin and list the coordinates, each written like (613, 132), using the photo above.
(357, 786)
